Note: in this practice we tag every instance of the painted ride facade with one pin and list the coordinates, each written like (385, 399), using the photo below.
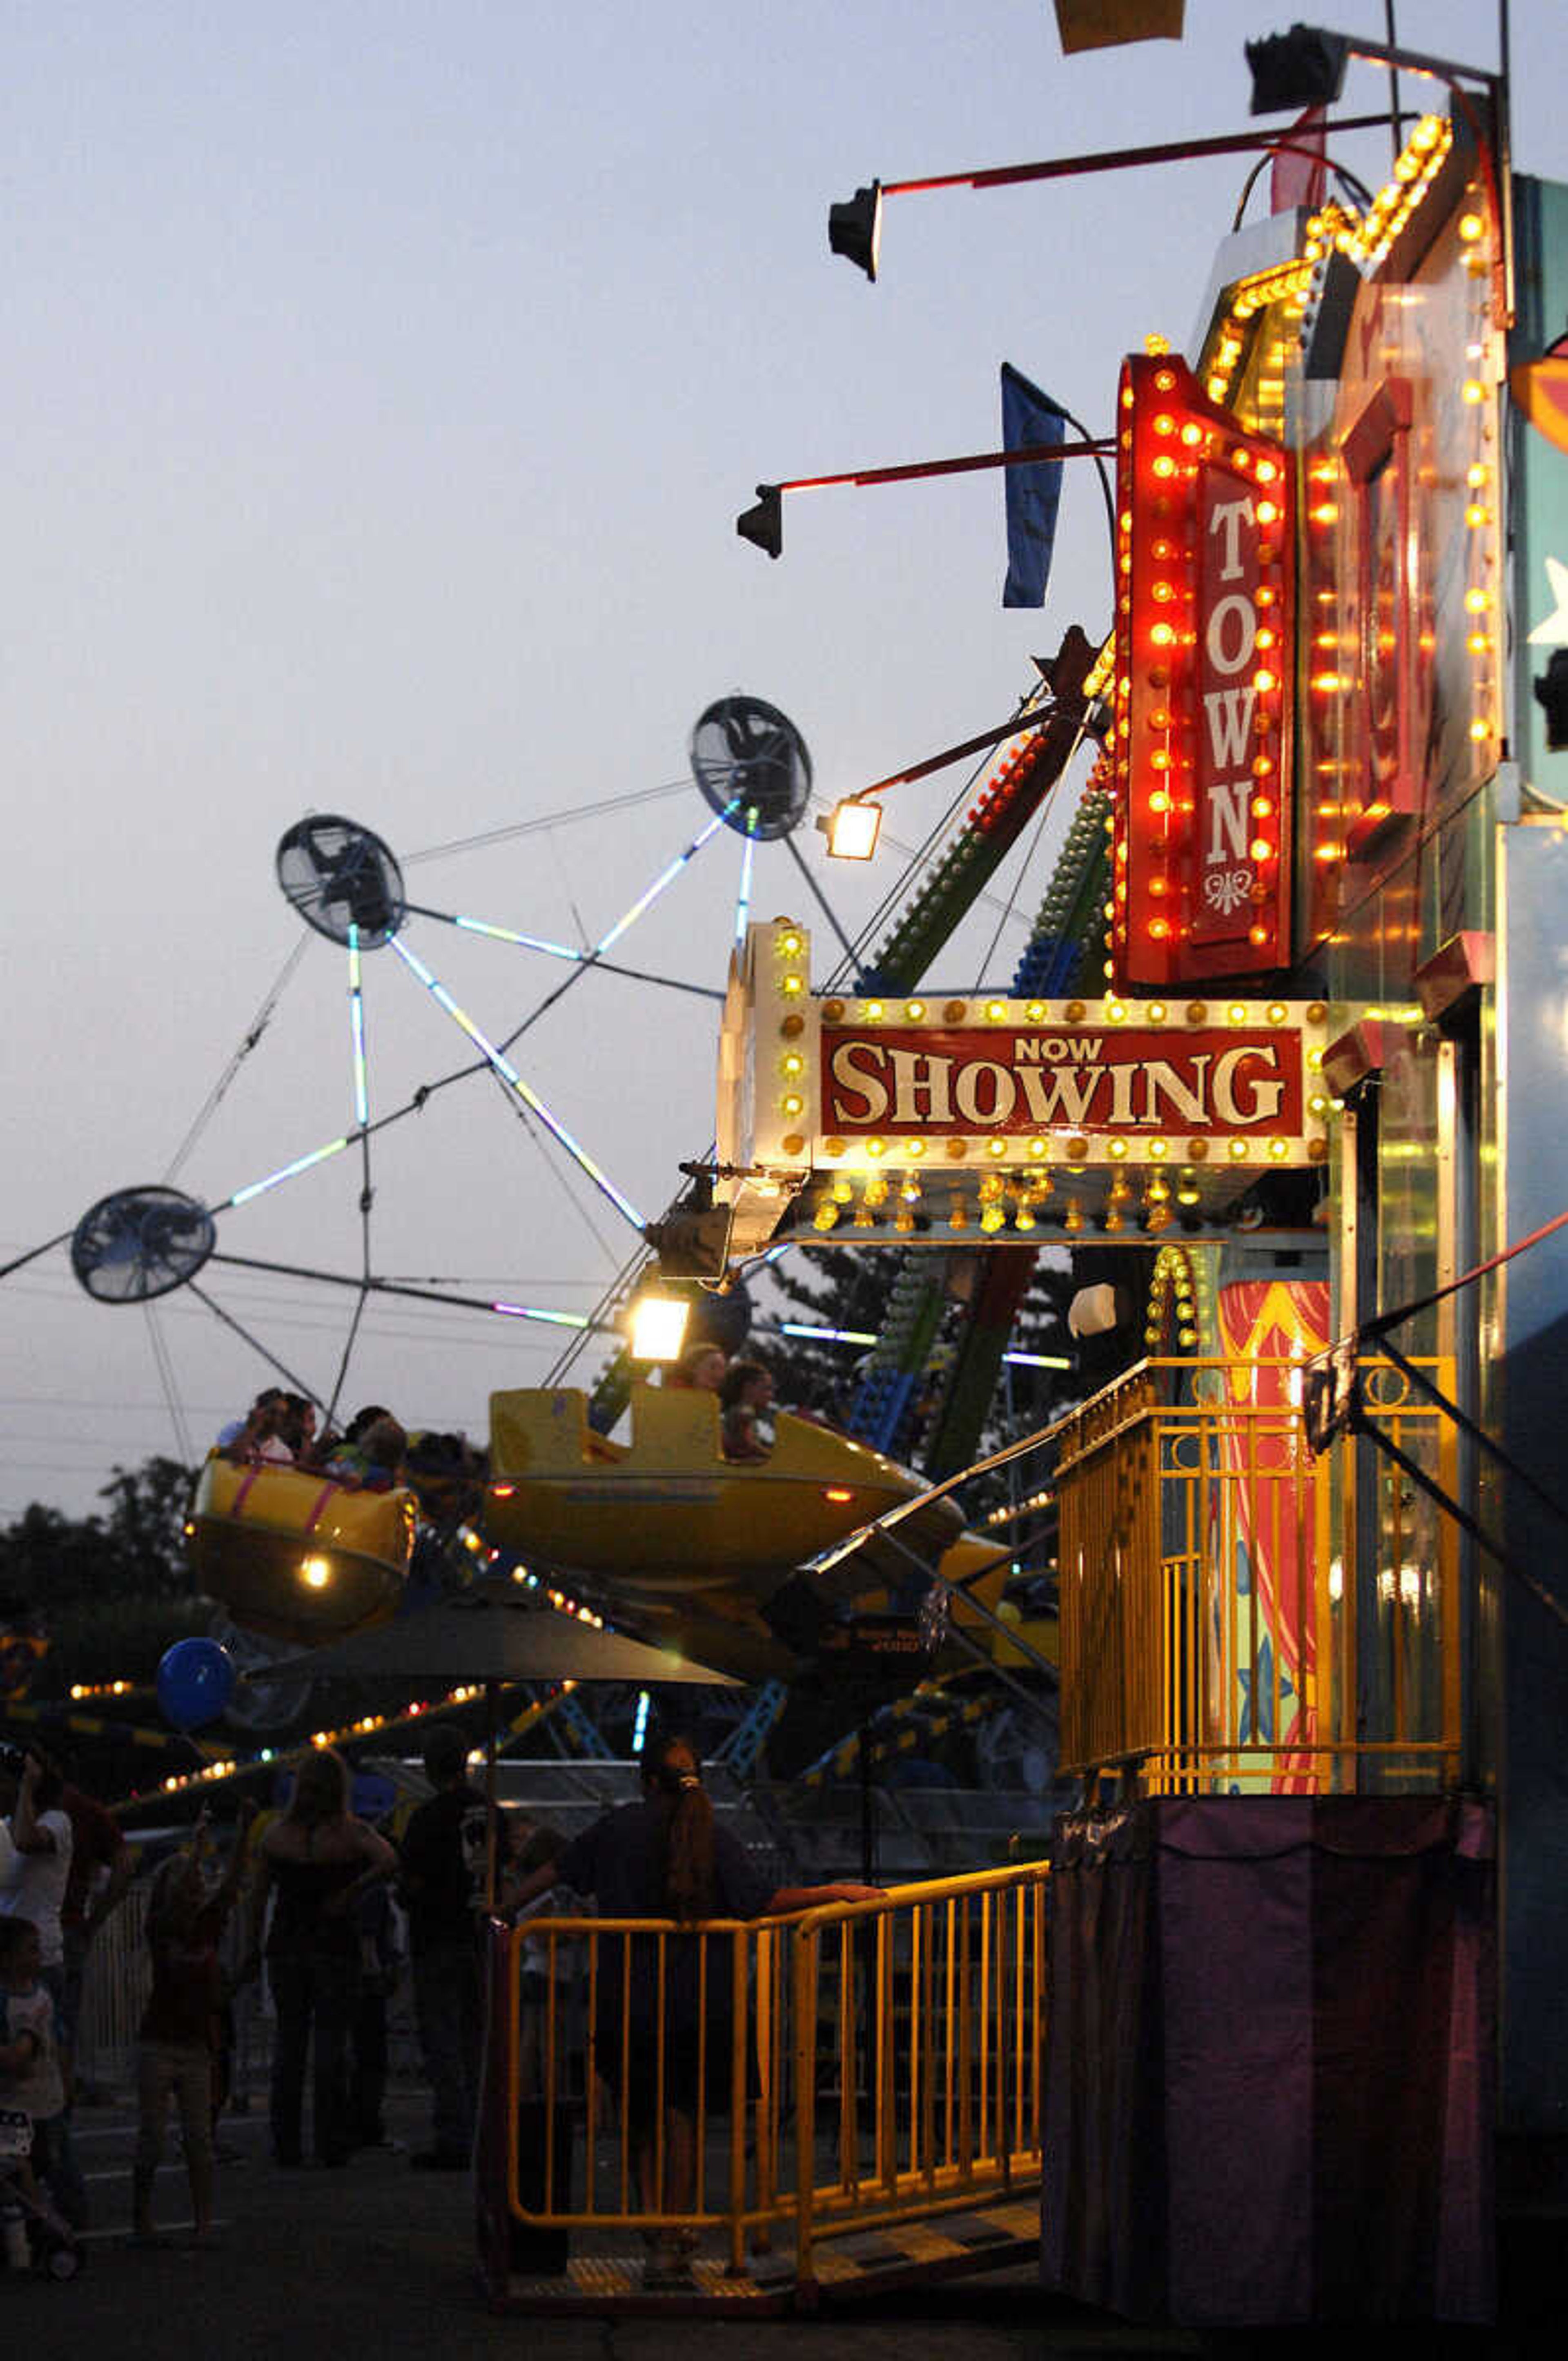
(1313, 1610)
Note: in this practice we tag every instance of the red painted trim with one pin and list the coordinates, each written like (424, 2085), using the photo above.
(322, 1499)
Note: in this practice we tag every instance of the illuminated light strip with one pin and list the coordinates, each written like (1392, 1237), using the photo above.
(301, 1164)
(508, 1074)
(1415, 169)
(223, 1767)
(825, 1336)
(529, 943)
(863, 1337)
(534, 1311)
(743, 895)
(665, 877)
(356, 1029)
(267, 1758)
(1010, 1513)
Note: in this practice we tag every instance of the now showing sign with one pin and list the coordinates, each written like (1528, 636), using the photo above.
(914, 1117)
(1128, 1082)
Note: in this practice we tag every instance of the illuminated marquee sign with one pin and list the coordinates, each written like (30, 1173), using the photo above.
(914, 1117)
(1125, 1081)
(1203, 650)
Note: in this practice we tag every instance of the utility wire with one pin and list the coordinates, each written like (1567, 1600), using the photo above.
(549, 821)
(258, 1025)
(171, 1391)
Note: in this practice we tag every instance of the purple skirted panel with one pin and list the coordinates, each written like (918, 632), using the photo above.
(1270, 2060)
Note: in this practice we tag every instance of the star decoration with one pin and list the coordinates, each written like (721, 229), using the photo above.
(1554, 633)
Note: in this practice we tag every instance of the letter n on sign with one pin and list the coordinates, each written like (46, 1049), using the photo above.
(1204, 659)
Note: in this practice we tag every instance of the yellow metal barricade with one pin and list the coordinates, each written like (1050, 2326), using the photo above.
(937, 2045)
(1208, 1641)
(860, 2065)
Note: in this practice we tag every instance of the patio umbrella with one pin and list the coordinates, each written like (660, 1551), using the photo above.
(494, 1632)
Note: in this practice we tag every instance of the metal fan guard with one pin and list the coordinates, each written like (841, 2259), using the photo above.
(338, 875)
(140, 1243)
(259, 1704)
(751, 765)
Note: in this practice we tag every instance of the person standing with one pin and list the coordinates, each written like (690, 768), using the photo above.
(37, 1867)
(179, 2034)
(664, 2029)
(102, 1866)
(443, 1858)
(382, 1954)
(317, 1861)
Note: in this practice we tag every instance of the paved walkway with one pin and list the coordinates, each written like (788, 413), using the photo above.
(377, 2260)
(376, 2263)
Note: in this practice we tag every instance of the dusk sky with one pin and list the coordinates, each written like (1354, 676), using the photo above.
(382, 384)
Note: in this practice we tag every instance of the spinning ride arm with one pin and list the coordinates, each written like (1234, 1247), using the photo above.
(1008, 802)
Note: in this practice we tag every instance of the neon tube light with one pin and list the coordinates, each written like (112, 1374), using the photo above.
(743, 898)
(508, 1074)
(357, 1030)
(301, 1164)
(665, 877)
(825, 1336)
(510, 934)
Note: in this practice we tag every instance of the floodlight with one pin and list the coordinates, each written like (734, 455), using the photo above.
(1299, 68)
(764, 523)
(854, 228)
(658, 1327)
(851, 829)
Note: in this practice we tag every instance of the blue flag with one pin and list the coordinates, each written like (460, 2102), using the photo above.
(1034, 493)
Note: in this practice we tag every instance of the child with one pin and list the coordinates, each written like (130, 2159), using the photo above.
(30, 2081)
(179, 2028)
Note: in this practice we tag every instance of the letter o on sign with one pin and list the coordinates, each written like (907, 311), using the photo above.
(1229, 658)
(971, 1086)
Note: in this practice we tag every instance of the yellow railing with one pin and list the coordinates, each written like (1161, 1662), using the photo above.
(1236, 1614)
(863, 2064)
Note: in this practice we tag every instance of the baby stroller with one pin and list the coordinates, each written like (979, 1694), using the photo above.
(33, 2235)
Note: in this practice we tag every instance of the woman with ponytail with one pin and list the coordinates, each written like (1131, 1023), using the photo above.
(667, 1857)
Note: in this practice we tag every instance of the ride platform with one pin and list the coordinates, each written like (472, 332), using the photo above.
(855, 2266)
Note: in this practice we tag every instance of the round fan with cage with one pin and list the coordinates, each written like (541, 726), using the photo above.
(140, 1243)
(338, 875)
(751, 765)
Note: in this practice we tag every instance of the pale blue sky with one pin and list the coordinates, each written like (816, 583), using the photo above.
(380, 388)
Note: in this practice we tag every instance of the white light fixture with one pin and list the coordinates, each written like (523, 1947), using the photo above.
(658, 1327)
(851, 829)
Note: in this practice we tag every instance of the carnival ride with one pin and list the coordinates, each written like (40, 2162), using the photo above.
(660, 1532)
(294, 1558)
(716, 1540)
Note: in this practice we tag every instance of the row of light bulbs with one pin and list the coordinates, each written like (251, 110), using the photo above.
(369, 1725)
(998, 1205)
(1174, 1287)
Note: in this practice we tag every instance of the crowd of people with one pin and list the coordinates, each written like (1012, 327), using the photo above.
(375, 1451)
(327, 1904)
(281, 1430)
(323, 1899)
